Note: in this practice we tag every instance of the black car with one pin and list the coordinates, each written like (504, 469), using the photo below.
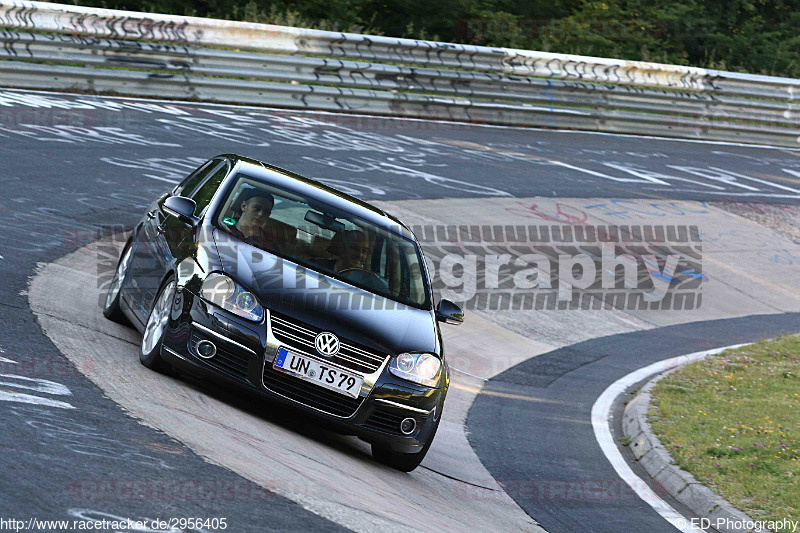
(293, 290)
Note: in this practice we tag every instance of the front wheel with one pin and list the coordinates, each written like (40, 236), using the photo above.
(153, 337)
(111, 308)
(405, 462)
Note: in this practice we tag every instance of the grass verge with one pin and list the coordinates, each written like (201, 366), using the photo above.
(733, 421)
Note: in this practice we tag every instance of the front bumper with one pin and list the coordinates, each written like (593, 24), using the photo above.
(244, 357)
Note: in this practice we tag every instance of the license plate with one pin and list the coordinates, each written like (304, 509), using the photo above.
(324, 375)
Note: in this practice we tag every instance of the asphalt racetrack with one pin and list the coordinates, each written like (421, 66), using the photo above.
(90, 434)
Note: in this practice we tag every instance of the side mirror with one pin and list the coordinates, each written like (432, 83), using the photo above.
(449, 313)
(181, 208)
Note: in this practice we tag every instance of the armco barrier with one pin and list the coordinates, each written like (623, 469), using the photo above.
(187, 57)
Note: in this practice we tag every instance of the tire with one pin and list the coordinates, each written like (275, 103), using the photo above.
(405, 462)
(157, 321)
(111, 309)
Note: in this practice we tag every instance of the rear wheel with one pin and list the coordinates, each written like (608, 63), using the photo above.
(111, 309)
(153, 336)
(405, 462)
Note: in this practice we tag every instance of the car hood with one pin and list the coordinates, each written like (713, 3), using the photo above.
(326, 303)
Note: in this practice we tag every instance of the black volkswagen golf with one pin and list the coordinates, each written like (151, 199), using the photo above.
(293, 290)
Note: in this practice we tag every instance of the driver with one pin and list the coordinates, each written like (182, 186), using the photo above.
(350, 248)
(256, 208)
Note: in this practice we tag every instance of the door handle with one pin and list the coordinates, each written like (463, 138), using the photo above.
(160, 230)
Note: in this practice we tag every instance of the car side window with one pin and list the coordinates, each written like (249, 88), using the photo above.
(206, 191)
(190, 183)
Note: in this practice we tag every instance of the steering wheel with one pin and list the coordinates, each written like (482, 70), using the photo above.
(368, 278)
(359, 269)
(263, 242)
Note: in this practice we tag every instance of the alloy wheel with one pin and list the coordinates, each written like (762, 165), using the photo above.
(119, 276)
(158, 319)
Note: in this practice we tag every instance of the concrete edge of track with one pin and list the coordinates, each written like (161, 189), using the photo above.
(580, 399)
(660, 469)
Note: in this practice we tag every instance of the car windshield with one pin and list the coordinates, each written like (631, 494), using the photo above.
(326, 239)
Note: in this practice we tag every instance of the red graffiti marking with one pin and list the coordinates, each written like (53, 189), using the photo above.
(564, 213)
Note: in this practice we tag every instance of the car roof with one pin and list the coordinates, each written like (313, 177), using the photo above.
(320, 192)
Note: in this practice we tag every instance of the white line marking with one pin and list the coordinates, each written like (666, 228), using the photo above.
(601, 410)
(30, 398)
(601, 175)
(468, 374)
(159, 178)
(44, 386)
(378, 117)
(757, 180)
(4, 360)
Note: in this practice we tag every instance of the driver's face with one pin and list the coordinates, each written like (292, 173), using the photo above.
(357, 252)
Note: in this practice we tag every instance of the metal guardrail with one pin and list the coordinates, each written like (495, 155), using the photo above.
(185, 57)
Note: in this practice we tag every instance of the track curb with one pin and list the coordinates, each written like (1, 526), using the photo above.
(658, 463)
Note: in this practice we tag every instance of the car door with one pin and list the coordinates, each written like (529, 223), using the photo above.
(163, 240)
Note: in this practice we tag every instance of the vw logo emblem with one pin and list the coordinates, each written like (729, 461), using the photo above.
(327, 344)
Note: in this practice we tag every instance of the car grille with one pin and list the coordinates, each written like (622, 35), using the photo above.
(310, 394)
(226, 359)
(385, 420)
(301, 336)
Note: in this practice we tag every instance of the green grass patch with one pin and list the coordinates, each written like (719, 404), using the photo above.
(733, 421)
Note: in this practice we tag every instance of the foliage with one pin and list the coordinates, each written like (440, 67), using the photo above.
(733, 420)
(739, 35)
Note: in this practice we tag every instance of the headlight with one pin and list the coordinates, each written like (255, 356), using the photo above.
(422, 368)
(222, 291)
